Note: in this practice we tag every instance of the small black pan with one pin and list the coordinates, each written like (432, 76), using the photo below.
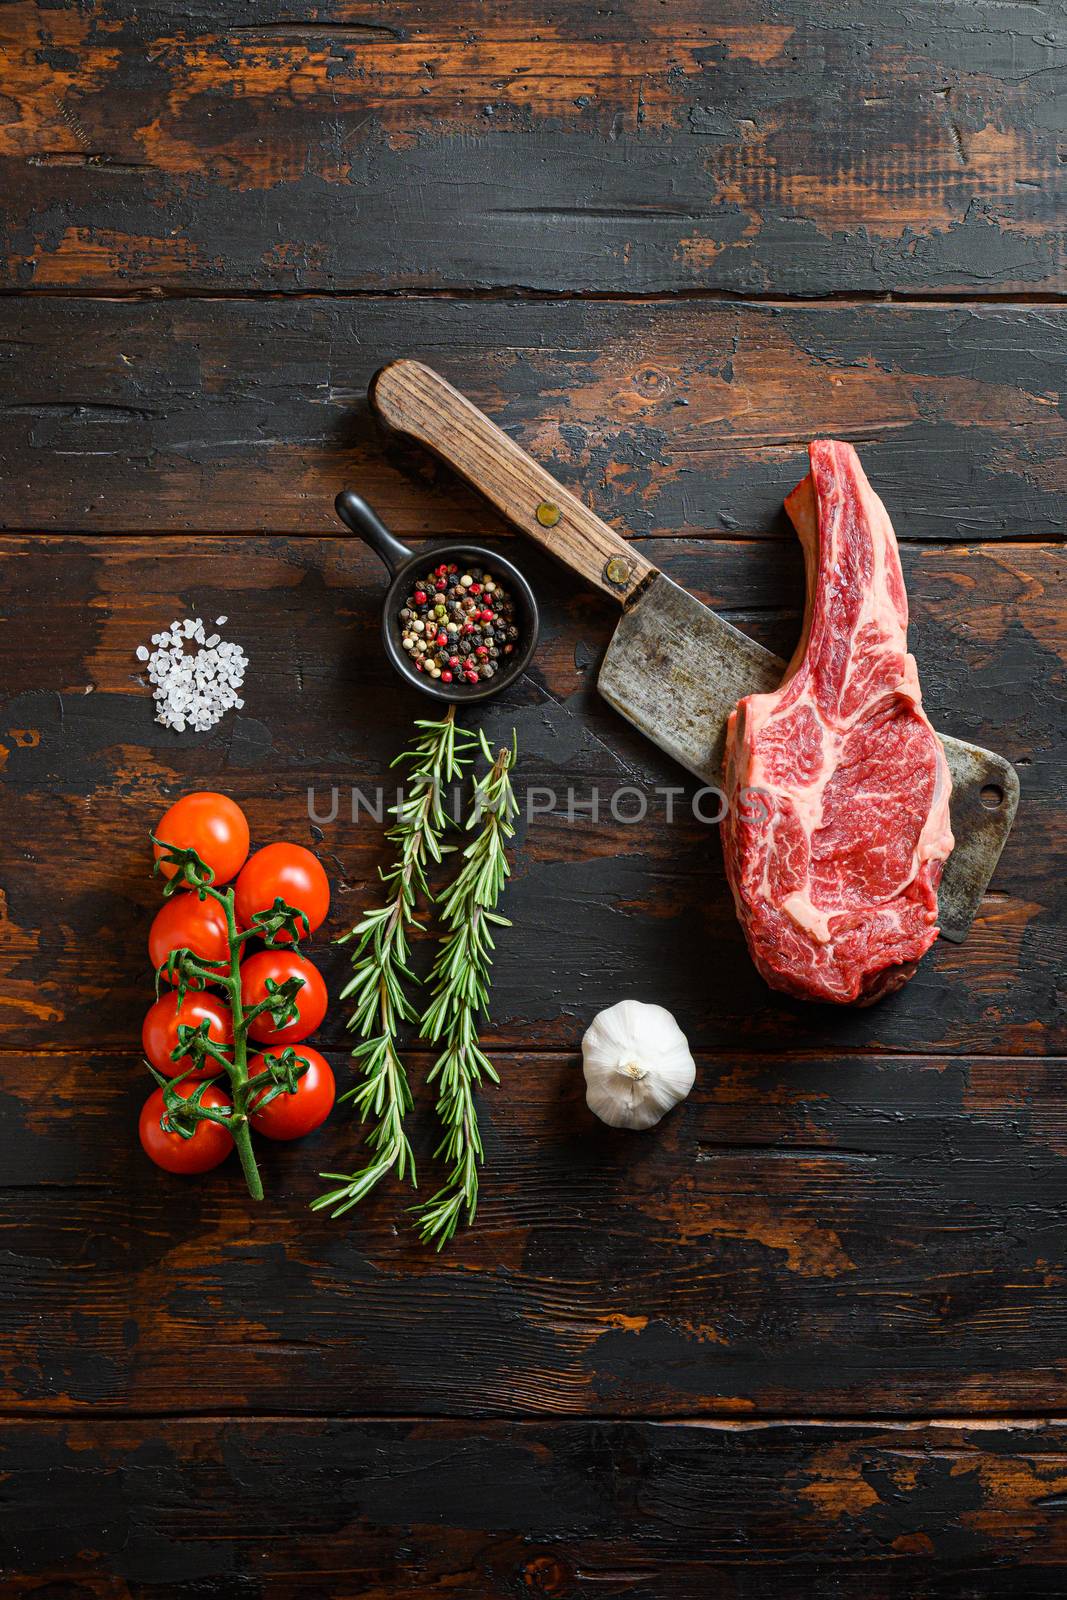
(405, 564)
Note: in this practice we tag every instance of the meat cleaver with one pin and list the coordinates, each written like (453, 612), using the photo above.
(673, 668)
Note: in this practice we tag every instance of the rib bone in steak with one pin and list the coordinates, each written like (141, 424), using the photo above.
(838, 821)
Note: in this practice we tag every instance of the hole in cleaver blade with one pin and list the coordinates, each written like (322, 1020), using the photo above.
(676, 671)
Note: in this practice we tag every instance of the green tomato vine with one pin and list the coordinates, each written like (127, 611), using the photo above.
(184, 971)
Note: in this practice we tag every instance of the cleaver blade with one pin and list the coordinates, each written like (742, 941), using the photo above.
(676, 670)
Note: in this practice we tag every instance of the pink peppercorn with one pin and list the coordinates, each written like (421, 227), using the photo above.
(420, 597)
(446, 677)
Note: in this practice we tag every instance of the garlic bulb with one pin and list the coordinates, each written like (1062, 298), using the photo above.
(637, 1064)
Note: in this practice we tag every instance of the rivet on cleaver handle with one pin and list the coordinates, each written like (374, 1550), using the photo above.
(416, 401)
(676, 670)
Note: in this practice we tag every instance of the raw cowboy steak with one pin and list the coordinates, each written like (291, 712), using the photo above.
(838, 789)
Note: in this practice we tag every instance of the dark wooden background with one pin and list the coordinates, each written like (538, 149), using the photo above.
(807, 1339)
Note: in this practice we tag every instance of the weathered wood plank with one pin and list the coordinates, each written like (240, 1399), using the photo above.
(745, 145)
(802, 1237)
(601, 908)
(300, 1509)
(677, 418)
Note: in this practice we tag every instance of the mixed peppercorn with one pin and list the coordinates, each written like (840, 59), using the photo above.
(458, 624)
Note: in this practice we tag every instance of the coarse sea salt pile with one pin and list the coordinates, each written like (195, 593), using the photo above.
(194, 686)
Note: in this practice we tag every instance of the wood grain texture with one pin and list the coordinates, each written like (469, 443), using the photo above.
(298, 1510)
(803, 1236)
(665, 418)
(602, 908)
(415, 401)
(781, 146)
(632, 1377)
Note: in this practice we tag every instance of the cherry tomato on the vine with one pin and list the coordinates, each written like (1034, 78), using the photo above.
(209, 1145)
(288, 872)
(290, 1116)
(211, 824)
(186, 923)
(310, 1000)
(159, 1035)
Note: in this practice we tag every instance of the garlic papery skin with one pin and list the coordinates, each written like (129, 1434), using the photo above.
(637, 1064)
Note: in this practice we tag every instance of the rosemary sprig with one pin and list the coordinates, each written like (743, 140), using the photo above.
(380, 968)
(461, 979)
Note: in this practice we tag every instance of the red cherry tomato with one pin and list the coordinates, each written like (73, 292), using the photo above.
(290, 1116)
(185, 923)
(211, 824)
(159, 1035)
(285, 871)
(310, 1001)
(209, 1144)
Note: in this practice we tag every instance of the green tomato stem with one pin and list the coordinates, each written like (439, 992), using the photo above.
(242, 1138)
(237, 1121)
(238, 1071)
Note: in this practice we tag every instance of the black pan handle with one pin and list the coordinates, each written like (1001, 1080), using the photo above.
(356, 514)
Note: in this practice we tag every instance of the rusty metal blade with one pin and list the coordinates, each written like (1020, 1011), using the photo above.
(676, 670)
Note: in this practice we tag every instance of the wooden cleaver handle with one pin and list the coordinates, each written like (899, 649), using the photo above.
(415, 400)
